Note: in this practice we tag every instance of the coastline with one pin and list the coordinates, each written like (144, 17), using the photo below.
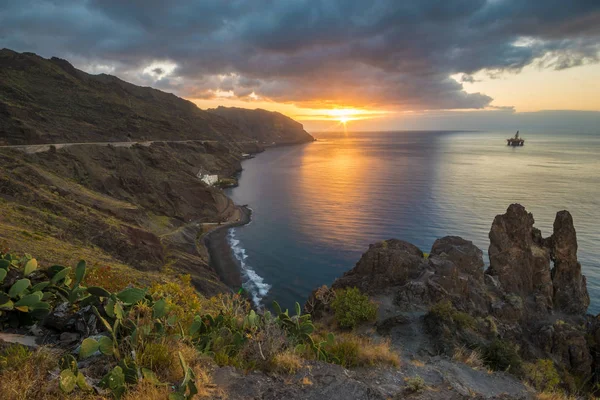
(220, 253)
(220, 256)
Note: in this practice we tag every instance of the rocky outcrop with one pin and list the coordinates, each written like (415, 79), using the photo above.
(570, 288)
(520, 299)
(520, 264)
(445, 380)
(389, 263)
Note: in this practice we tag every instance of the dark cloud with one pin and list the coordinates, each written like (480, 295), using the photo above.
(381, 52)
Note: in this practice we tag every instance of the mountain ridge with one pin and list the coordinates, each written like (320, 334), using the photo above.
(44, 101)
(268, 127)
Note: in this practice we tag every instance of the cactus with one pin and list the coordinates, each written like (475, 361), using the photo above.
(114, 381)
(131, 296)
(70, 376)
(187, 389)
(299, 327)
(30, 266)
(251, 321)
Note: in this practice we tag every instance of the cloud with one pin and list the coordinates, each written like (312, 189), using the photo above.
(387, 53)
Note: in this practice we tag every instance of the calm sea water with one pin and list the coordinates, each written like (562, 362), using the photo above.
(317, 207)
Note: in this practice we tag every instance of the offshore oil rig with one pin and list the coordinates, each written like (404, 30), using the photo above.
(515, 141)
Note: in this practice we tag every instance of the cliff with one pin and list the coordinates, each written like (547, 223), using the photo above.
(265, 126)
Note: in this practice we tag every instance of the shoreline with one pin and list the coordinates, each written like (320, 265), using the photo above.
(220, 255)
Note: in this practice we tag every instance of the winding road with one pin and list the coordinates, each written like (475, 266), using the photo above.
(40, 148)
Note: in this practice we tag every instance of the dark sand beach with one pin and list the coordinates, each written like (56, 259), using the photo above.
(220, 255)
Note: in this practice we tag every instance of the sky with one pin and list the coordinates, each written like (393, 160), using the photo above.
(332, 64)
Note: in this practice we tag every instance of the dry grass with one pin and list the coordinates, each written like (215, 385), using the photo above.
(470, 357)
(371, 352)
(24, 374)
(198, 363)
(306, 381)
(554, 396)
(417, 363)
(287, 362)
(147, 391)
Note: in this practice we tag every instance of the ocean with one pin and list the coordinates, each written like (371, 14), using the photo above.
(317, 207)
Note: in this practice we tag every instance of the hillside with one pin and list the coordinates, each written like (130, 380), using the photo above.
(265, 126)
(50, 101)
(139, 208)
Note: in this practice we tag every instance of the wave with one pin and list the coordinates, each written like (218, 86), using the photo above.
(254, 283)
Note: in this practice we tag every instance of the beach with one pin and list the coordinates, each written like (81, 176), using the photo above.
(219, 250)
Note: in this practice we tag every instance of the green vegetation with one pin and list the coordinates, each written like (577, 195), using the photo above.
(153, 340)
(227, 182)
(445, 311)
(415, 384)
(543, 375)
(351, 308)
(500, 355)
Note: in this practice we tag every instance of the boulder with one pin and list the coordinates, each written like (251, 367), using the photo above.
(462, 253)
(570, 288)
(389, 263)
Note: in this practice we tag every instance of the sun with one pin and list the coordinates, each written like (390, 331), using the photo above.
(344, 120)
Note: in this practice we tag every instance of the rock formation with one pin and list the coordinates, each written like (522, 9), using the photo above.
(521, 265)
(519, 299)
(570, 289)
(386, 264)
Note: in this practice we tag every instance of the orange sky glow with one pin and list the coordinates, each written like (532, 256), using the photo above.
(532, 89)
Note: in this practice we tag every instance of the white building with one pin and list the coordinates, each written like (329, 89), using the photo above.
(210, 180)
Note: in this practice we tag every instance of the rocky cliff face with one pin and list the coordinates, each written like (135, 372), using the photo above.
(521, 299)
(265, 126)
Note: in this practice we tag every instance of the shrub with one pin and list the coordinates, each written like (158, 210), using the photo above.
(182, 299)
(351, 308)
(263, 346)
(470, 357)
(110, 278)
(445, 311)
(502, 356)
(542, 375)
(415, 384)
